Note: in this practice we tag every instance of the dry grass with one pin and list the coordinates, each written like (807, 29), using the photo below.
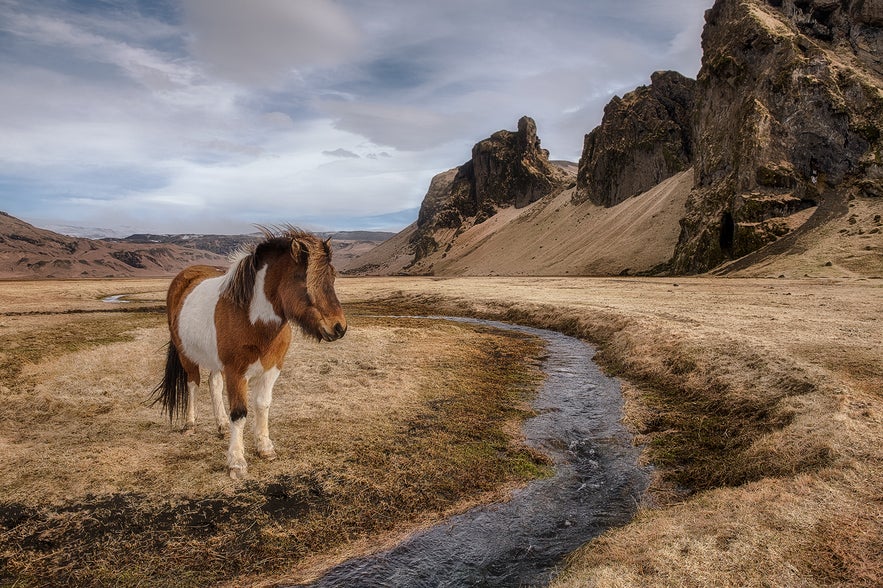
(388, 429)
(758, 401)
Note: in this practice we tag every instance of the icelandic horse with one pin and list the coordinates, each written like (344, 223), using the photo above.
(237, 325)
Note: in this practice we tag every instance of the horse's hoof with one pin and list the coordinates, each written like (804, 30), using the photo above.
(189, 429)
(268, 454)
(237, 472)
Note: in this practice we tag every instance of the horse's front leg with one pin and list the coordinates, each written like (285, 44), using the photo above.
(216, 387)
(237, 396)
(263, 396)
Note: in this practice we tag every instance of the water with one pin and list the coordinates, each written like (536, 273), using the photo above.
(596, 485)
(115, 299)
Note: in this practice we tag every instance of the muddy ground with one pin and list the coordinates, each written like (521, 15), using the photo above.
(758, 401)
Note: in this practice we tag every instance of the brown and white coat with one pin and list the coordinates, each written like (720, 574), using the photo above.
(237, 325)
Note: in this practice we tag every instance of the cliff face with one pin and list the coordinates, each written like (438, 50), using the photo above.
(783, 129)
(511, 169)
(644, 138)
(506, 169)
(855, 25)
(789, 115)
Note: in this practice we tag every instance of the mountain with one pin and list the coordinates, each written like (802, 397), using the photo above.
(788, 125)
(770, 161)
(645, 137)
(346, 244)
(222, 245)
(508, 169)
(29, 252)
(551, 237)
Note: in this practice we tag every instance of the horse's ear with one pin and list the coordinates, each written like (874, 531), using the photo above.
(300, 251)
(327, 244)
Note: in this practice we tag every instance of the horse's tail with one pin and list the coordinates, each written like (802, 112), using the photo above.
(172, 391)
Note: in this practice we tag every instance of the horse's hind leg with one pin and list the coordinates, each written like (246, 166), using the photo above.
(262, 388)
(192, 370)
(216, 387)
(190, 416)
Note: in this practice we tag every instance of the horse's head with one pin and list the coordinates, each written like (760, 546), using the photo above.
(298, 281)
(309, 299)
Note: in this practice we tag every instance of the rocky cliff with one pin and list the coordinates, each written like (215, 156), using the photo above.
(506, 169)
(786, 115)
(644, 138)
(783, 130)
(789, 116)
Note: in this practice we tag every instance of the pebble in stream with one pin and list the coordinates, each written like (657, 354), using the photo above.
(597, 485)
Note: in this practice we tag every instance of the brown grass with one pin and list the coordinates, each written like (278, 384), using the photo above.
(386, 430)
(757, 400)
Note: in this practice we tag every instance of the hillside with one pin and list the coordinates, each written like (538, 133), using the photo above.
(788, 127)
(781, 133)
(29, 252)
(551, 237)
(347, 244)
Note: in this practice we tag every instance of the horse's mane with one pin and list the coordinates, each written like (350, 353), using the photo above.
(245, 262)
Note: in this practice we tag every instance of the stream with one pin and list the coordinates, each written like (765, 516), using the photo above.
(115, 299)
(597, 484)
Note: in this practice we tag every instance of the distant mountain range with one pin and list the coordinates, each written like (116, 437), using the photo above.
(30, 252)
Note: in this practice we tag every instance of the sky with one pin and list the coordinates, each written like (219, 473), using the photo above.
(211, 116)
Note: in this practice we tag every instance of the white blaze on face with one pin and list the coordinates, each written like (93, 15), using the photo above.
(196, 324)
(261, 309)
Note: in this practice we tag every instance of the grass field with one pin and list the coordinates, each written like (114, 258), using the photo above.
(392, 427)
(758, 401)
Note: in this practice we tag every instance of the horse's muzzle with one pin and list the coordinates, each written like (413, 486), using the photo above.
(338, 331)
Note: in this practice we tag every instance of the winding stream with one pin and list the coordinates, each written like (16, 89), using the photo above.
(596, 485)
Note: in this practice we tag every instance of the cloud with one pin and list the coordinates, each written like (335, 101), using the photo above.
(407, 127)
(468, 71)
(261, 41)
(216, 114)
(341, 152)
(278, 120)
(140, 65)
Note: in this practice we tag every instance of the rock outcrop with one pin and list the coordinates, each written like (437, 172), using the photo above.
(783, 129)
(506, 169)
(644, 138)
(789, 115)
(785, 115)
(852, 25)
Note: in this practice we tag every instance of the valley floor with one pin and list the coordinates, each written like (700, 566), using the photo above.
(758, 401)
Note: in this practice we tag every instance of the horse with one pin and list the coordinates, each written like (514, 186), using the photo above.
(237, 325)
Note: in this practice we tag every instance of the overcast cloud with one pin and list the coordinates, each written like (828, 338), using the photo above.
(214, 115)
